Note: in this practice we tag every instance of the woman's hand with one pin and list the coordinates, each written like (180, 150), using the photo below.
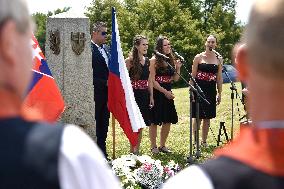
(151, 104)
(218, 99)
(178, 64)
(169, 95)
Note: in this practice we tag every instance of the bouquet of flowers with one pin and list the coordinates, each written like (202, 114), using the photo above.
(142, 171)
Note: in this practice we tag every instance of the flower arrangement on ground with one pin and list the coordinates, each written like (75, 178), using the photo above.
(142, 171)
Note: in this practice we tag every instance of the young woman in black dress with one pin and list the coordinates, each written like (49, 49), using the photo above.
(164, 112)
(138, 67)
(207, 71)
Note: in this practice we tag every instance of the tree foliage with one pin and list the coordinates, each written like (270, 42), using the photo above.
(220, 19)
(40, 21)
(186, 23)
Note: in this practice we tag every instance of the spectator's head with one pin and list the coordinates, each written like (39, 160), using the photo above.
(264, 38)
(99, 35)
(260, 61)
(15, 46)
(235, 50)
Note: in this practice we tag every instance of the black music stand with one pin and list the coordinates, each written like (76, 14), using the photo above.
(234, 93)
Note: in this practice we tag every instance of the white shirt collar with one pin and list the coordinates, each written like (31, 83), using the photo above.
(95, 44)
(102, 51)
(271, 124)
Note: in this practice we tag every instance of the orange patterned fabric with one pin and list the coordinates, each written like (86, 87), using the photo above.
(260, 148)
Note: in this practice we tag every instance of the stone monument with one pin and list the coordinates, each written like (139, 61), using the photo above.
(68, 53)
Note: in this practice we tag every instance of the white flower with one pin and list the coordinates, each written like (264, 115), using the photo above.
(135, 171)
(125, 160)
(145, 159)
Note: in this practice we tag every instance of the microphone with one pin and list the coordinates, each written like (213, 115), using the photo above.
(161, 55)
(178, 55)
(216, 53)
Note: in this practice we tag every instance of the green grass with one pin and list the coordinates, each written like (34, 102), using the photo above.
(178, 140)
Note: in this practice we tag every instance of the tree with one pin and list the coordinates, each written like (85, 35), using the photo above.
(167, 17)
(185, 22)
(193, 6)
(40, 21)
(220, 19)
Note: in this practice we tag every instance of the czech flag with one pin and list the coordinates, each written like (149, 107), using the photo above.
(121, 101)
(43, 95)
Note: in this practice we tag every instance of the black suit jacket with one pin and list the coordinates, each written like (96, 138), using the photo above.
(100, 69)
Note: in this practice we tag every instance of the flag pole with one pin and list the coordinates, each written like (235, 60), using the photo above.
(113, 135)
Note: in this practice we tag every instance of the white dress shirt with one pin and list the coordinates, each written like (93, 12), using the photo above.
(103, 52)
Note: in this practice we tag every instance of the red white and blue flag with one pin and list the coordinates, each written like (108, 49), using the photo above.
(43, 95)
(121, 101)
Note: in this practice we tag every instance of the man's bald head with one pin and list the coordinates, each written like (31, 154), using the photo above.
(264, 37)
(15, 47)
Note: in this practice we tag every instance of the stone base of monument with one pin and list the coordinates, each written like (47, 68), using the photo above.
(68, 53)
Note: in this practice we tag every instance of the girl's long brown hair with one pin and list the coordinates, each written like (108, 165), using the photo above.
(159, 60)
(136, 68)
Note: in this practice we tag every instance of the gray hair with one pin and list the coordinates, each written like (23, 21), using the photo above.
(264, 37)
(17, 11)
(98, 26)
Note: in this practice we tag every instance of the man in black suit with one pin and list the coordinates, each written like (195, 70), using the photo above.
(100, 59)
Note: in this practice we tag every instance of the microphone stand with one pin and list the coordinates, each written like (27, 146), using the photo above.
(199, 96)
(233, 89)
(196, 90)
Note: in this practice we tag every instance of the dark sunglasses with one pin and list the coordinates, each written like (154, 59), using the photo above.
(104, 33)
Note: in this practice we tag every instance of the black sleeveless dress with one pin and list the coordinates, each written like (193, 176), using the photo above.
(164, 110)
(141, 91)
(206, 78)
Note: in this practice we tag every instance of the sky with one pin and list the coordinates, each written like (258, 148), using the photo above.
(243, 9)
(243, 6)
